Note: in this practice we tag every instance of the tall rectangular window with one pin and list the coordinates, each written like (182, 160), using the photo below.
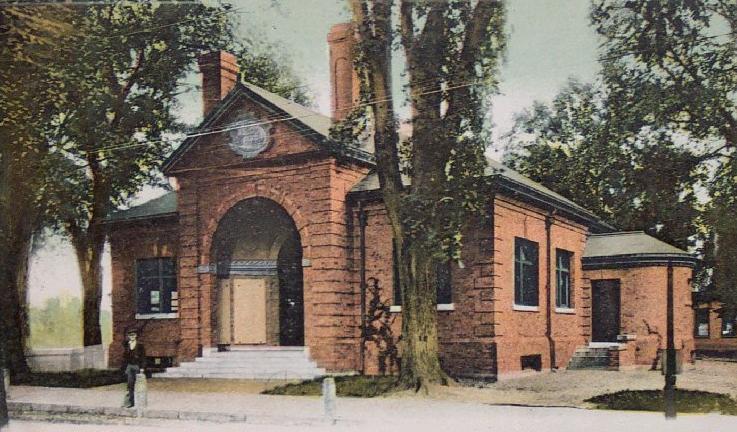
(526, 271)
(445, 288)
(563, 278)
(729, 324)
(443, 275)
(395, 274)
(156, 286)
(701, 323)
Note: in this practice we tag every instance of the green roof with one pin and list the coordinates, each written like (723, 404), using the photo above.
(513, 183)
(165, 205)
(631, 249)
(627, 243)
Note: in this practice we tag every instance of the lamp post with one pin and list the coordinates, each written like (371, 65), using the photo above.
(670, 354)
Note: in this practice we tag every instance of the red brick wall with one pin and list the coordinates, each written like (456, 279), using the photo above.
(521, 333)
(128, 243)
(465, 333)
(313, 193)
(715, 341)
(643, 308)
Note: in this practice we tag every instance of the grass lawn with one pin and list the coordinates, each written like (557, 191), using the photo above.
(84, 378)
(687, 401)
(352, 386)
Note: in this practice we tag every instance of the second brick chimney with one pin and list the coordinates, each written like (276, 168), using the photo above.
(343, 78)
(219, 76)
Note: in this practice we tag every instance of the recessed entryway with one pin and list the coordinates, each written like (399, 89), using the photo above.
(259, 293)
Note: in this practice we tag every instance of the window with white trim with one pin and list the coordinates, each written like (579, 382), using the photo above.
(526, 271)
(156, 286)
(563, 279)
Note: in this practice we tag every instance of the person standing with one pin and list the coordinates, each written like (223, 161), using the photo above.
(134, 359)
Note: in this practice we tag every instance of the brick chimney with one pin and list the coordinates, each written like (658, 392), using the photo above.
(219, 75)
(344, 82)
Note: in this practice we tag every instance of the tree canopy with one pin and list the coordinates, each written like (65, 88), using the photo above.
(635, 177)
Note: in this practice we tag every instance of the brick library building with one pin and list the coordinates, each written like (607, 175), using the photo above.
(256, 264)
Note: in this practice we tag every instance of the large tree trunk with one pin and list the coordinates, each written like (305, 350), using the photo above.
(15, 257)
(420, 362)
(89, 247)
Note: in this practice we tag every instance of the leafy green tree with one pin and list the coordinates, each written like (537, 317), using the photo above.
(32, 37)
(452, 51)
(630, 174)
(122, 80)
(677, 61)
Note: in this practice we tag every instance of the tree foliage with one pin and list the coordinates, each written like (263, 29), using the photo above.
(29, 95)
(121, 82)
(677, 66)
(452, 50)
(634, 176)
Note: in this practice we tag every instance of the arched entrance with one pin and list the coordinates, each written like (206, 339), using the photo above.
(258, 256)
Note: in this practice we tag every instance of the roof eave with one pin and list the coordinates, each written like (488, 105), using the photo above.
(136, 219)
(639, 260)
(532, 196)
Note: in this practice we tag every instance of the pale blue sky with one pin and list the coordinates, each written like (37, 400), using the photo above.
(549, 41)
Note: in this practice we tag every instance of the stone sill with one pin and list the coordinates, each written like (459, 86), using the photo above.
(443, 307)
(569, 311)
(523, 308)
(156, 316)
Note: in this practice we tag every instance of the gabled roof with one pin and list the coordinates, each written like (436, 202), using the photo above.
(163, 206)
(515, 184)
(631, 248)
(309, 123)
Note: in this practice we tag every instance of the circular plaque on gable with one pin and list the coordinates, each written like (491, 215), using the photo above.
(248, 138)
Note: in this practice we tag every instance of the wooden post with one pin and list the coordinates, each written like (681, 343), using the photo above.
(670, 357)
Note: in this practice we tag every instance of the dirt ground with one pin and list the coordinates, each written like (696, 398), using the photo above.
(570, 388)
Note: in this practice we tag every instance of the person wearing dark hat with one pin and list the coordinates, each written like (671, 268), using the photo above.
(134, 359)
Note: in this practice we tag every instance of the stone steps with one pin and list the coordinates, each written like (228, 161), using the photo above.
(600, 358)
(257, 362)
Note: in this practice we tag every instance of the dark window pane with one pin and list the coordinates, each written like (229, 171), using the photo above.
(563, 278)
(145, 287)
(156, 285)
(148, 268)
(168, 267)
(395, 276)
(445, 290)
(526, 272)
(701, 328)
(729, 325)
(169, 289)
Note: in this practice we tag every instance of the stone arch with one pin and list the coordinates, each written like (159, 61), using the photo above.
(257, 290)
(246, 193)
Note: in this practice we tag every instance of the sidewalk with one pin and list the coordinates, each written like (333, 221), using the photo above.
(264, 412)
(210, 407)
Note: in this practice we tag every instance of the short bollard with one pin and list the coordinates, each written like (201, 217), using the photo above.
(328, 398)
(6, 382)
(140, 391)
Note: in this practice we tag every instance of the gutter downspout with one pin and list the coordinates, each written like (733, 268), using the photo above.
(362, 218)
(548, 289)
